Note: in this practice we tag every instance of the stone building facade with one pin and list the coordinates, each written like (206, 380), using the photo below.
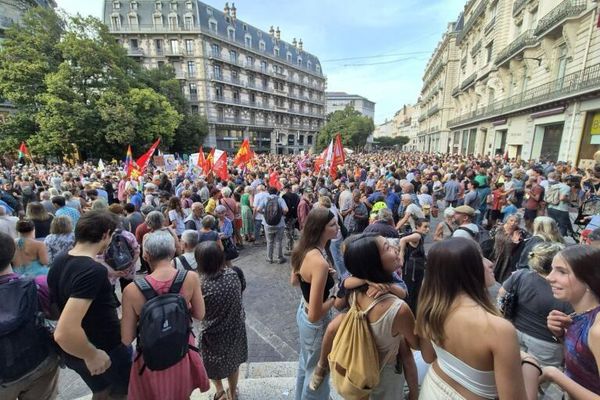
(247, 82)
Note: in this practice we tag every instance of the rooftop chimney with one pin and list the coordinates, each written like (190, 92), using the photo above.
(278, 34)
(226, 9)
(295, 42)
(233, 11)
(300, 45)
(272, 31)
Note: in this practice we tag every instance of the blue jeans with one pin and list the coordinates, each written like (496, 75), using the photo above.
(257, 227)
(311, 338)
(338, 257)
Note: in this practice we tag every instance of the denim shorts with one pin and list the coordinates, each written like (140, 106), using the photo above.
(115, 378)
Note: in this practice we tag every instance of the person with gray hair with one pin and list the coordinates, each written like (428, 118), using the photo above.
(181, 379)
(8, 223)
(155, 221)
(445, 228)
(45, 201)
(383, 224)
(189, 240)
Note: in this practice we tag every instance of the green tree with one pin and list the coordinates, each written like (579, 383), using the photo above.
(354, 128)
(388, 141)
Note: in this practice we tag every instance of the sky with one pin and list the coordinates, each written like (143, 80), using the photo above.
(378, 50)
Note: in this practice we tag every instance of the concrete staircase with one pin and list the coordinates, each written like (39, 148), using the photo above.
(260, 381)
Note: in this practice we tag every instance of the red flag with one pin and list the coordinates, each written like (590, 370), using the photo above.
(337, 155)
(323, 157)
(274, 180)
(209, 162)
(23, 151)
(244, 154)
(220, 166)
(201, 160)
(144, 160)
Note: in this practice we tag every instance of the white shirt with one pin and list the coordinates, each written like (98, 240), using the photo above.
(258, 199)
(464, 234)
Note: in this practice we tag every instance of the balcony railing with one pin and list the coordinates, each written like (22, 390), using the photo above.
(479, 11)
(566, 9)
(137, 52)
(173, 53)
(433, 110)
(523, 41)
(467, 82)
(476, 48)
(518, 6)
(263, 106)
(456, 91)
(434, 71)
(490, 25)
(571, 85)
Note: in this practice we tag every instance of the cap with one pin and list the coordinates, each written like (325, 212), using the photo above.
(464, 210)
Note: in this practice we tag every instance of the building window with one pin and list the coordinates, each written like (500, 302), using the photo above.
(189, 22)
(215, 50)
(309, 140)
(233, 56)
(289, 57)
(308, 65)
(299, 60)
(261, 45)
(212, 25)
(489, 49)
(209, 11)
(191, 66)
(189, 5)
(173, 6)
(133, 43)
(249, 61)
(235, 95)
(194, 109)
(251, 80)
(248, 40)
(117, 5)
(159, 46)
(318, 68)
(133, 21)
(189, 46)
(562, 63)
(276, 51)
(158, 6)
(133, 5)
(265, 83)
(174, 46)
(263, 66)
(193, 90)
(235, 75)
(231, 33)
(116, 22)
(252, 98)
(217, 71)
(219, 91)
(173, 23)
(158, 21)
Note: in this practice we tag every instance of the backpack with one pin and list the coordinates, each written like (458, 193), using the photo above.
(552, 196)
(24, 343)
(273, 211)
(184, 263)
(483, 238)
(164, 326)
(119, 254)
(354, 360)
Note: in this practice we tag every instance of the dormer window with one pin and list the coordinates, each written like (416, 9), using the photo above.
(276, 51)
(115, 21)
(209, 11)
(189, 22)
(318, 68)
(158, 6)
(248, 40)
(288, 57)
(189, 5)
(261, 45)
(299, 60)
(116, 5)
(173, 6)
(230, 33)
(212, 25)
(134, 5)
(308, 65)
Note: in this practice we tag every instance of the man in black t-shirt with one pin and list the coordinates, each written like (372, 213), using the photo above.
(292, 199)
(88, 330)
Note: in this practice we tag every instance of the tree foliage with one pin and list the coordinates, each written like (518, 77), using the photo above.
(388, 141)
(354, 128)
(71, 82)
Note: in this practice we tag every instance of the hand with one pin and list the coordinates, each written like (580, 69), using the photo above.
(557, 322)
(122, 274)
(98, 363)
(332, 272)
(548, 374)
(377, 289)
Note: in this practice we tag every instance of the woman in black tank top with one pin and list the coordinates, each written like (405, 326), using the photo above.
(412, 253)
(312, 271)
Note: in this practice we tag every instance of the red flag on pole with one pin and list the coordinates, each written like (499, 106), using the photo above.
(208, 162)
(337, 155)
(23, 150)
(323, 157)
(220, 165)
(201, 160)
(144, 160)
(244, 154)
(274, 180)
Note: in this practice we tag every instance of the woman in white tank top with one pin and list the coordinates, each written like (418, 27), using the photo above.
(477, 350)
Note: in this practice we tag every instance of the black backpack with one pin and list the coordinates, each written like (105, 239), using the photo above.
(273, 211)
(24, 343)
(119, 254)
(164, 326)
(483, 238)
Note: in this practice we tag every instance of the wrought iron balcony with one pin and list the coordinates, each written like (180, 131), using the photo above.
(566, 9)
(476, 48)
(523, 41)
(575, 84)
(137, 52)
(479, 12)
(490, 25)
(467, 82)
(436, 69)
(433, 110)
(456, 91)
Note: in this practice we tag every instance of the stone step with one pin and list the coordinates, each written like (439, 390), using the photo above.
(260, 381)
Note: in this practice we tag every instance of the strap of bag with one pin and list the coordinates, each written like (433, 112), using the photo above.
(146, 289)
(373, 304)
(184, 262)
(227, 205)
(178, 281)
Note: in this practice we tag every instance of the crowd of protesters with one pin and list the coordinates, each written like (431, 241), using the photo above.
(504, 302)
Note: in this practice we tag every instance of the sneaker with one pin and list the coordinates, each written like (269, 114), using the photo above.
(270, 261)
(282, 260)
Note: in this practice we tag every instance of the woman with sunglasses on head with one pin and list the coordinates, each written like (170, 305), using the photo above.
(575, 278)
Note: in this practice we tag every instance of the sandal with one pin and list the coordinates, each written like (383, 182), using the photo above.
(317, 377)
(219, 395)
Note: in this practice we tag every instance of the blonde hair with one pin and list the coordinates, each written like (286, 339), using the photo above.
(547, 229)
(540, 257)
